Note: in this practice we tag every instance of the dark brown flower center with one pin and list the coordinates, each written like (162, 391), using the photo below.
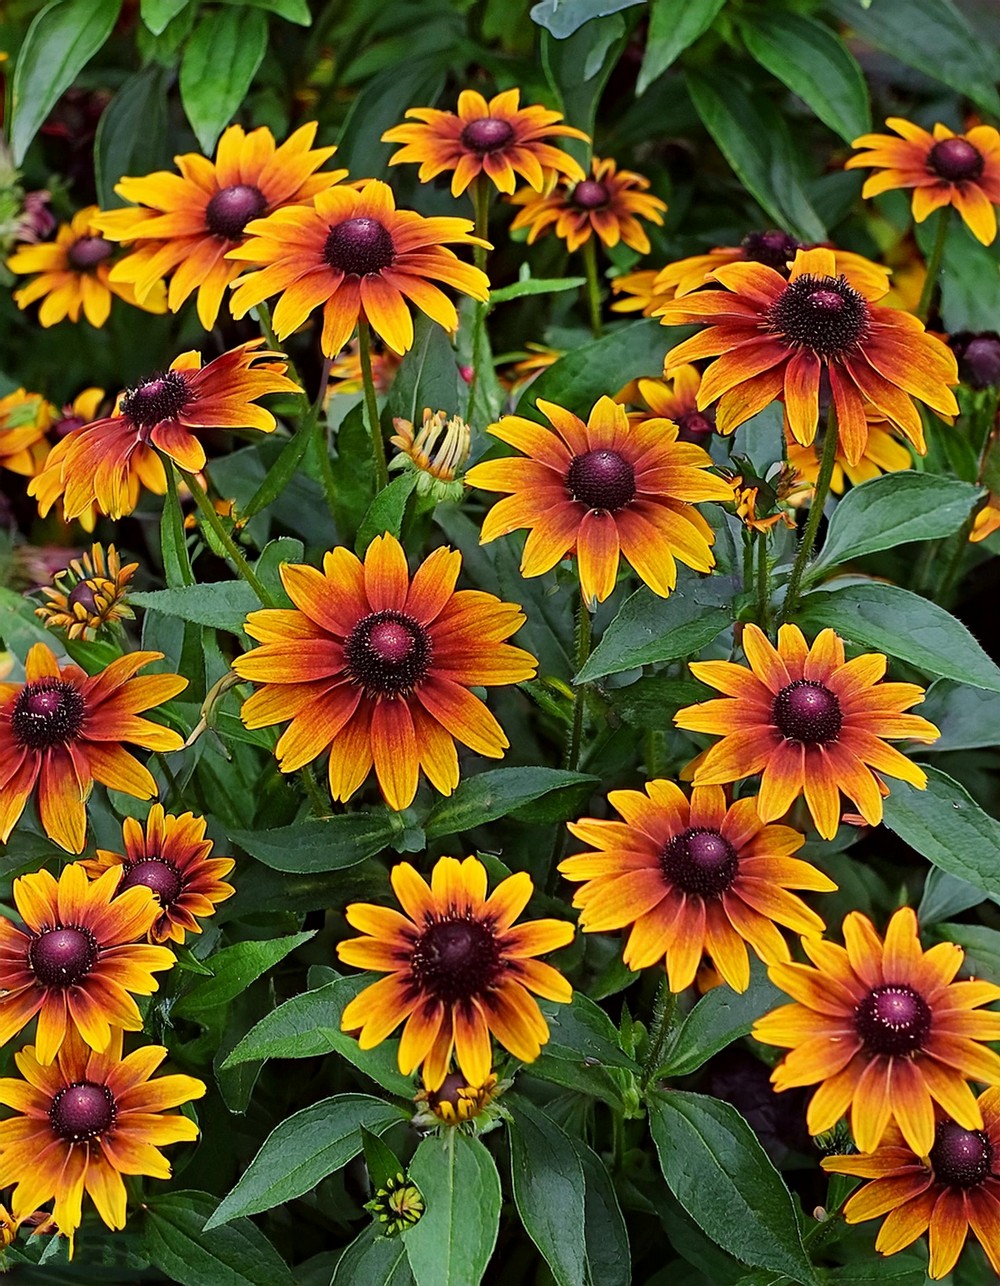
(590, 195)
(978, 358)
(807, 712)
(161, 397)
(821, 313)
(601, 479)
(961, 1158)
(696, 426)
(448, 1093)
(489, 134)
(456, 959)
(700, 861)
(231, 209)
(774, 248)
(154, 873)
(82, 1111)
(955, 160)
(61, 957)
(359, 247)
(88, 252)
(388, 653)
(82, 595)
(893, 1020)
(47, 713)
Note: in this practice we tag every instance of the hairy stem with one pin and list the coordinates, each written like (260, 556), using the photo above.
(815, 514)
(371, 406)
(233, 551)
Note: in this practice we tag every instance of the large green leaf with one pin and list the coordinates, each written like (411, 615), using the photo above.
(428, 376)
(497, 793)
(158, 14)
(331, 845)
(234, 969)
(296, 11)
(452, 1243)
(120, 148)
(968, 718)
(374, 1260)
(563, 17)
(220, 60)
(720, 1017)
(549, 1192)
(174, 1239)
(222, 605)
(609, 1257)
(672, 27)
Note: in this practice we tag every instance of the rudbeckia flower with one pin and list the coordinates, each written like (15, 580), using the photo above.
(883, 453)
(675, 397)
(24, 421)
(459, 969)
(455, 1102)
(89, 594)
(638, 292)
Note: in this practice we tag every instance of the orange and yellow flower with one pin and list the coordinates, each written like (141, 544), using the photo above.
(62, 730)
(885, 1031)
(498, 138)
(376, 667)
(952, 1191)
(437, 462)
(182, 226)
(89, 594)
(105, 462)
(810, 723)
(169, 855)
(690, 878)
(77, 962)
(601, 490)
(459, 969)
(455, 1102)
(883, 453)
(346, 375)
(638, 291)
(24, 421)
(607, 204)
(85, 1121)
(776, 338)
(353, 252)
(942, 168)
(674, 397)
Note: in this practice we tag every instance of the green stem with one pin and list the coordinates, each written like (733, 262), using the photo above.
(371, 405)
(319, 805)
(593, 286)
(763, 581)
(815, 514)
(172, 532)
(315, 421)
(747, 560)
(225, 540)
(933, 265)
(482, 192)
(960, 541)
(583, 641)
(664, 1009)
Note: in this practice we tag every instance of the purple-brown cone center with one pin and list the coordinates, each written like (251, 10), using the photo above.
(959, 1157)
(82, 595)
(61, 957)
(388, 653)
(955, 160)
(696, 426)
(231, 209)
(47, 713)
(88, 252)
(700, 861)
(154, 873)
(590, 195)
(162, 397)
(774, 248)
(978, 358)
(807, 712)
(488, 134)
(821, 313)
(893, 1020)
(82, 1111)
(601, 479)
(455, 959)
(359, 247)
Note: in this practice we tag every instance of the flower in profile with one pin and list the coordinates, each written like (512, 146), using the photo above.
(82, 410)
(438, 467)
(346, 376)
(638, 292)
(885, 1031)
(62, 730)
(810, 722)
(690, 878)
(182, 226)
(774, 502)
(987, 520)
(883, 453)
(942, 168)
(459, 969)
(85, 1121)
(498, 138)
(456, 1101)
(978, 356)
(353, 252)
(89, 595)
(24, 421)
(675, 397)
(600, 490)
(953, 1190)
(170, 856)
(608, 204)
(77, 962)
(376, 667)
(531, 362)
(105, 462)
(72, 274)
(397, 1205)
(773, 337)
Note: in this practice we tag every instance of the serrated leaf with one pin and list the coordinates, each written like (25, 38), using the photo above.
(495, 793)
(452, 1243)
(220, 60)
(222, 605)
(720, 1017)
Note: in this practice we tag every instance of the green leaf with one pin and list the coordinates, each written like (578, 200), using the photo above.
(157, 15)
(373, 1260)
(120, 148)
(235, 968)
(331, 845)
(547, 1181)
(584, 1052)
(968, 718)
(385, 513)
(304, 1149)
(814, 63)
(722, 1177)
(892, 510)
(453, 1241)
(173, 538)
(60, 42)
(428, 377)
(609, 1257)
(945, 895)
(720, 1017)
(982, 947)
(495, 793)
(222, 605)
(904, 625)
(945, 825)
(291, 10)
(383, 1164)
(174, 1238)
(220, 60)
(577, 67)
(535, 286)
(672, 28)
(563, 17)
(280, 473)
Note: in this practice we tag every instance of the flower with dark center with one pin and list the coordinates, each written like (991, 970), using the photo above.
(590, 195)
(85, 1120)
(942, 169)
(601, 490)
(25, 420)
(673, 398)
(497, 139)
(397, 1205)
(978, 357)
(161, 397)
(690, 879)
(153, 873)
(359, 246)
(953, 1191)
(46, 714)
(88, 252)
(61, 957)
(887, 1052)
(377, 668)
(775, 338)
(776, 249)
(179, 226)
(455, 1102)
(89, 594)
(814, 736)
(458, 970)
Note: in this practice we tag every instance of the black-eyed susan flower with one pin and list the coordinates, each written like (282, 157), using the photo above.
(86, 1120)
(376, 667)
(978, 354)
(810, 723)
(89, 594)
(436, 452)
(883, 453)
(952, 1191)
(675, 397)
(171, 857)
(62, 730)
(884, 1031)
(397, 1205)
(498, 138)
(692, 878)
(609, 205)
(24, 421)
(455, 1102)
(182, 226)
(77, 962)
(941, 168)
(776, 338)
(602, 490)
(459, 969)
(637, 292)
(72, 275)
(360, 258)
(105, 462)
